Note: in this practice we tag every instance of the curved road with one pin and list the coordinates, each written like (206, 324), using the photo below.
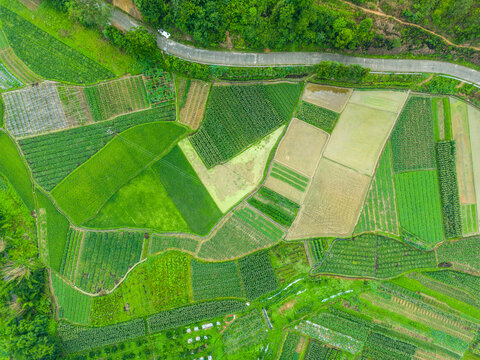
(228, 58)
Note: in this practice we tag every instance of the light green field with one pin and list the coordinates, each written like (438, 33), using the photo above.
(382, 100)
(72, 304)
(57, 230)
(474, 122)
(143, 203)
(13, 168)
(84, 191)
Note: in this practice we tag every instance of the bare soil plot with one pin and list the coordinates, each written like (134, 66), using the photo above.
(75, 105)
(191, 114)
(229, 183)
(328, 97)
(34, 110)
(474, 126)
(333, 202)
(459, 112)
(359, 137)
(381, 100)
(129, 7)
(301, 147)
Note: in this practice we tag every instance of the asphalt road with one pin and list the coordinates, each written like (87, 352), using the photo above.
(228, 58)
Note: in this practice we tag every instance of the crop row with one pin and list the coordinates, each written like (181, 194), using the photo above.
(193, 313)
(257, 274)
(374, 256)
(379, 346)
(80, 338)
(159, 86)
(72, 304)
(215, 280)
(447, 175)
(70, 254)
(413, 139)
(47, 56)
(53, 156)
(7, 80)
(106, 257)
(289, 349)
(275, 206)
(318, 351)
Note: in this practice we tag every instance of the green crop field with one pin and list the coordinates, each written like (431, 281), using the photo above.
(53, 156)
(469, 218)
(419, 206)
(413, 139)
(322, 118)
(248, 331)
(232, 118)
(447, 176)
(162, 243)
(275, 206)
(215, 280)
(373, 256)
(72, 304)
(160, 283)
(112, 253)
(187, 191)
(462, 253)
(100, 177)
(379, 211)
(13, 168)
(47, 56)
(257, 274)
(57, 229)
(70, 254)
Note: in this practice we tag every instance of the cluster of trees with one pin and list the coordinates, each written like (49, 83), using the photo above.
(27, 328)
(91, 13)
(331, 70)
(137, 42)
(273, 24)
(459, 18)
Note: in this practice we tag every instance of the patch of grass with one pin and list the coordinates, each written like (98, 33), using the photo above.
(162, 282)
(82, 193)
(57, 230)
(13, 168)
(447, 115)
(46, 55)
(187, 191)
(142, 203)
(315, 115)
(87, 41)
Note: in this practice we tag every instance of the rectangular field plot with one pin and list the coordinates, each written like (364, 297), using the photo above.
(469, 219)
(333, 202)
(34, 110)
(105, 258)
(289, 176)
(193, 103)
(379, 211)
(72, 304)
(301, 147)
(382, 100)
(239, 115)
(257, 274)
(17, 67)
(463, 254)
(463, 155)
(419, 207)
(7, 80)
(53, 156)
(245, 231)
(329, 97)
(317, 116)
(215, 280)
(75, 104)
(413, 139)
(373, 256)
(474, 127)
(116, 97)
(71, 254)
(359, 137)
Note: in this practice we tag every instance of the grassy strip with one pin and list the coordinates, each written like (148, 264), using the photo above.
(447, 115)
